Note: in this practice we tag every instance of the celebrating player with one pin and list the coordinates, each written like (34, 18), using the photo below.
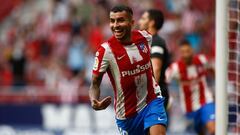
(138, 103)
(196, 98)
(152, 21)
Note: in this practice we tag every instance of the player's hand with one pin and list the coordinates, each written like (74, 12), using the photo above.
(100, 105)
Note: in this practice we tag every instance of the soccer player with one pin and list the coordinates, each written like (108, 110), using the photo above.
(196, 98)
(152, 21)
(138, 103)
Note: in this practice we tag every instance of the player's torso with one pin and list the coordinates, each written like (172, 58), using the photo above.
(132, 60)
(131, 76)
(194, 89)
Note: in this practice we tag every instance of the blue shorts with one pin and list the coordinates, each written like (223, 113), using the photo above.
(153, 114)
(202, 116)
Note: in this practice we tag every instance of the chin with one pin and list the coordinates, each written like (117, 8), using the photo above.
(142, 28)
(119, 37)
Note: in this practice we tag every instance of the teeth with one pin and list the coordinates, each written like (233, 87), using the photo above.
(118, 30)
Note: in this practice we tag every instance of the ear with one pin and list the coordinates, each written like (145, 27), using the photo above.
(151, 23)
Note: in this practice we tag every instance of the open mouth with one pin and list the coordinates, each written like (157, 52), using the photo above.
(118, 32)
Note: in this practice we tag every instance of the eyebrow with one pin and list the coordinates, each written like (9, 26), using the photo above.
(116, 18)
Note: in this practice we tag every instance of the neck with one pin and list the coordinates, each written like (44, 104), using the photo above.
(188, 61)
(126, 41)
(152, 31)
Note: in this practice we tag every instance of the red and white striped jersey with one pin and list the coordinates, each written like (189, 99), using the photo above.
(130, 71)
(194, 91)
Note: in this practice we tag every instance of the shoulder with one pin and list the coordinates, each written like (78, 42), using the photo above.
(158, 45)
(145, 34)
(104, 47)
(158, 41)
(175, 65)
(203, 58)
(103, 50)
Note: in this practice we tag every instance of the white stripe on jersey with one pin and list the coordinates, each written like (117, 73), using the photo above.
(192, 71)
(104, 64)
(133, 53)
(194, 87)
(141, 91)
(120, 108)
(195, 98)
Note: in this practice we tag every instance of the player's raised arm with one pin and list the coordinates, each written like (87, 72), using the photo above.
(94, 93)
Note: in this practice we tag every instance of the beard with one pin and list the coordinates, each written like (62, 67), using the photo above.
(123, 35)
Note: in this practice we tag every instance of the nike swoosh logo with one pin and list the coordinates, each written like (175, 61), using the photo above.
(160, 119)
(119, 58)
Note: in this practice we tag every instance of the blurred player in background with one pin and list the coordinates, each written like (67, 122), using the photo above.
(126, 59)
(152, 20)
(197, 100)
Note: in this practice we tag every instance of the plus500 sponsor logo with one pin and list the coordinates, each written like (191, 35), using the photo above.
(138, 69)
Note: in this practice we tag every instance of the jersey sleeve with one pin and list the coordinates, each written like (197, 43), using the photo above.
(157, 49)
(101, 62)
(172, 72)
(148, 36)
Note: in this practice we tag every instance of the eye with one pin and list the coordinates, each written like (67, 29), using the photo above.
(121, 20)
(112, 20)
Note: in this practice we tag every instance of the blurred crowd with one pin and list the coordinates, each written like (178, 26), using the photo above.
(51, 43)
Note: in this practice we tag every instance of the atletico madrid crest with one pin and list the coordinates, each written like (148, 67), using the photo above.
(143, 48)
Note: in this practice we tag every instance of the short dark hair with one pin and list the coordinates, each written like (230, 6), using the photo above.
(157, 17)
(184, 42)
(120, 8)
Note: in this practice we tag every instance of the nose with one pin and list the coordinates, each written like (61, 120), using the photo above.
(115, 24)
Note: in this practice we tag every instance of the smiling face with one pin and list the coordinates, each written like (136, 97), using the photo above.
(121, 24)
